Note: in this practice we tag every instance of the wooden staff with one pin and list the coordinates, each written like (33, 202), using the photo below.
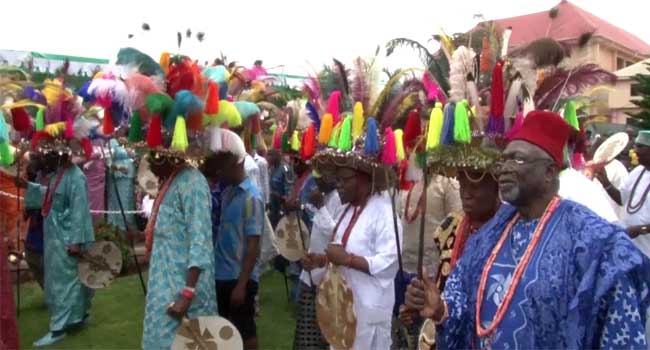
(422, 221)
(304, 246)
(396, 229)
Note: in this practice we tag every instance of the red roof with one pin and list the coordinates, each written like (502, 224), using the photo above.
(570, 23)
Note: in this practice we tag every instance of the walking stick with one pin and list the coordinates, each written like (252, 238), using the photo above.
(126, 224)
(304, 246)
(396, 229)
(422, 222)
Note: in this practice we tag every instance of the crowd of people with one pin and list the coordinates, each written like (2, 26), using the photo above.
(446, 227)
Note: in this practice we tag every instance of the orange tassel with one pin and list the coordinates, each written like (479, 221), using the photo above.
(308, 148)
(164, 62)
(195, 121)
(212, 102)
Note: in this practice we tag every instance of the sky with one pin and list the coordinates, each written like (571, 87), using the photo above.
(291, 36)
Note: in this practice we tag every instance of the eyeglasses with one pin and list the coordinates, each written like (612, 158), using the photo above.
(518, 162)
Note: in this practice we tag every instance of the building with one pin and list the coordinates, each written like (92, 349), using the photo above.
(611, 47)
(623, 93)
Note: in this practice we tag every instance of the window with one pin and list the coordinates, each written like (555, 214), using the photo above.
(634, 90)
(620, 63)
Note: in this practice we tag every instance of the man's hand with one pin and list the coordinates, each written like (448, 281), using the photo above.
(74, 250)
(313, 261)
(179, 308)
(407, 316)
(238, 295)
(601, 175)
(424, 296)
(336, 254)
(20, 182)
(316, 198)
(636, 231)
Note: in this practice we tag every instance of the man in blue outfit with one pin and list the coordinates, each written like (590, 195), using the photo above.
(544, 273)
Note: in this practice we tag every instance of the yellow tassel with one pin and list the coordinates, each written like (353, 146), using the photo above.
(357, 121)
(55, 129)
(295, 141)
(435, 127)
(326, 127)
(399, 144)
(179, 140)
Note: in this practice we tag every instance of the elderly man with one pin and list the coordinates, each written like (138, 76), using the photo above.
(544, 272)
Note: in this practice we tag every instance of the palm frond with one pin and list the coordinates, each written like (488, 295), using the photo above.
(566, 83)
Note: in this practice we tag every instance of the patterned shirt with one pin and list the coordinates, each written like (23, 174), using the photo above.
(242, 215)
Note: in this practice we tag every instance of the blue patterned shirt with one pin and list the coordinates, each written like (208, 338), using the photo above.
(242, 215)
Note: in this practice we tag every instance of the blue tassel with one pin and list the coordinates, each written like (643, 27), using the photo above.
(4, 132)
(371, 147)
(496, 125)
(223, 91)
(313, 115)
(83, 92)
(36, 95)
(184, 104)
(447, 135)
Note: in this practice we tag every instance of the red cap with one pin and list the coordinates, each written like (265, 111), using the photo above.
(546, 130)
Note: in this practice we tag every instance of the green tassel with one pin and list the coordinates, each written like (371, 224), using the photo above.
(334, 140)
(273, 127)
(179, 140)
(295, 141)
(421, 159)
(6, 155)
(40, 119)
(345, 136)
(135, 128)
(462, 131)
(570, 115)
(286, 145)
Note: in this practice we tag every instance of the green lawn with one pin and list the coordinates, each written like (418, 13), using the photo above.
(118, 311)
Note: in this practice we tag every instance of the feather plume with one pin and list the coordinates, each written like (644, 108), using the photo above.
(144, 64)
(410, 102)
(311, 87)
(584, 39)
(360, 85)
(312, 112)
(446, 44)
(139, 86)
(381, 101)
(107, 90)
(512, 105)
(179, 39)
(505, 42)
(333, 105)
(544, 52)
(525, 68)
(389, 113)
(434, 93)
(342, 74)
(563, 83)
(462, 64)
(304, 120)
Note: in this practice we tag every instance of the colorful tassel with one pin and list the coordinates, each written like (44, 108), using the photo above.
(21, 120)
(164, 62)
(195, 121)
(286, 145)
(519, 123)
(54, 129)
(135, 128)
(447, 135)
(399, 144)
(412, 129)
(326, 127)
(333, 105)
(154, 135)
(6, 154)
(87, 147)
(212, 101)
(389, 153)
(308, 148)
(108, 126)
(462, 131)
(179, 139)
(496, 122)
(357, 120)
(334, 140)
(570, 115)
(345, 136)
(371, 147)
(69, 129)
(4, 132)
(158, 103)
(40, 119)
(295, 141)
(435, 127)
(277, 138)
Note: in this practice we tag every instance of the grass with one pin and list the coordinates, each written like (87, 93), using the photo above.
(118, 311)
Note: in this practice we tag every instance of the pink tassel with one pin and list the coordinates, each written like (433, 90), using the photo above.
(389, 154)
(69, 129)
(333, 105)
(433, 91)
(519, 122)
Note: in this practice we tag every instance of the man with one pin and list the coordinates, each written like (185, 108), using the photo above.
(616, 175)
(326, 205)
(238, 243)
(179, 239)
(365, 250)
(281, 183)
(121, 182)
(67, 232)
(544, 272)
(263, 165)
(634, 194)
(34, 240)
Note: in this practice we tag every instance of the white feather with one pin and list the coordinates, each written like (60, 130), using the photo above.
(472, 94)
(462, 63)
(214, 138)
(511, 108)
(505, 41)
(529, 105)
(83, 125)
(413, 171)
(526, 68)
